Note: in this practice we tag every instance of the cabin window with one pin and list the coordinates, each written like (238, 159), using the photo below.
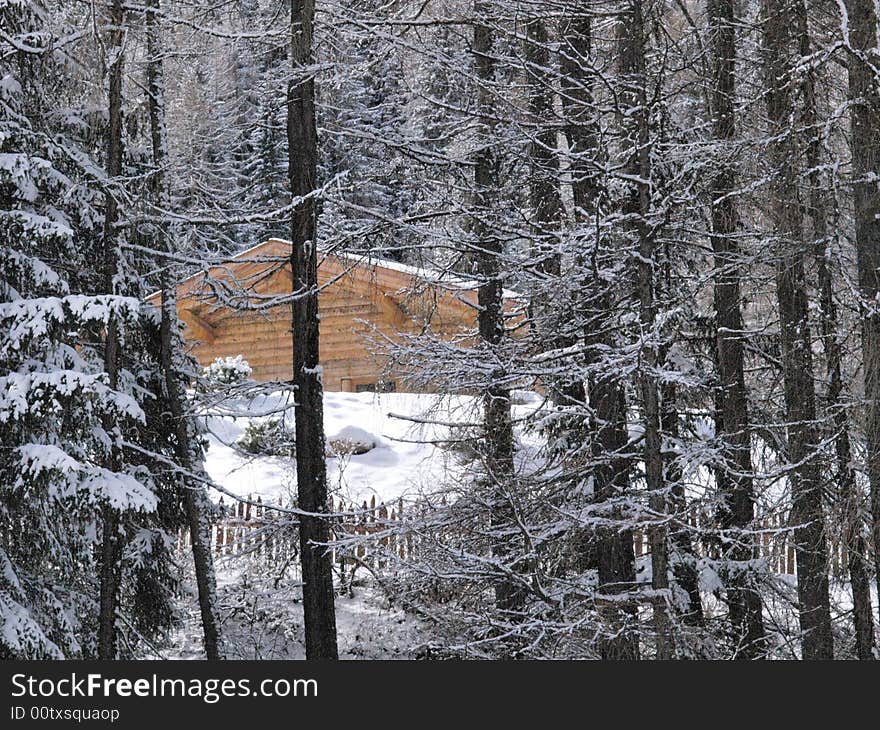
(382, 386)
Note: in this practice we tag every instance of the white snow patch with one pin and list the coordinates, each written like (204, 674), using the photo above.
(408, 458)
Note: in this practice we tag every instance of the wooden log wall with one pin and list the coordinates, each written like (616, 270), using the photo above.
(358, 304)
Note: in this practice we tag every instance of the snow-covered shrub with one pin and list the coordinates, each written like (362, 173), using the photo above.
(268, 438)
(351, 440)
(228, 371)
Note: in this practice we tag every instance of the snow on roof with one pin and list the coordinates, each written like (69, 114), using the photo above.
(440, 277)
(444, 278)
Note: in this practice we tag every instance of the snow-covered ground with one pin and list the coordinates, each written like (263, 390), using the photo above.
(407, 459)
(260, 606)
(411, 455)
(262, 621)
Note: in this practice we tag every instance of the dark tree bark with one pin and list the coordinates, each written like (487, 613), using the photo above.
(187, 452)
(684, 562)
(613, 548)
(864, 94)
(847, 490)
(616, 559)
(544, 192)
(819, 210)
(636, 123)
(577, 100)
(545, 201)
(547, 212)
(497, 426)
(791, 292)
(738, 509)
(311, 469)
(111, 544)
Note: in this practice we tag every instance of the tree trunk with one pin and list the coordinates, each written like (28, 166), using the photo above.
(791, 292)
(311, 470)
(544, 193)
(545, 201)
(818, 209)
(631, 49)
(865, 144)
(738, 509)
(188, 453)
(547, 211)
(684, 562)
(111, 544)
(577, 101)
(497, 426)
(614, 547)
(617, 573)
(847, 490)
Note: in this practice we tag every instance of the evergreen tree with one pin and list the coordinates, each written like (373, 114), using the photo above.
(60, 417)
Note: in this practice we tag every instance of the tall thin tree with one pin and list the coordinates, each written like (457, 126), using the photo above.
(807, 514)
(311, 469)
(635, 120)
(615, 557)
(187, 451)
(863, 64)
(820, 209)
(111, 544)
(738, 507)
(497, 436)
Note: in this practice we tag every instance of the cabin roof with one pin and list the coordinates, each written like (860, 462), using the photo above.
(389, 275)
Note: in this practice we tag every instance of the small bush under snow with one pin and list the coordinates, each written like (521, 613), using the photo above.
(228, 370)
(268, 438)
(352, 440)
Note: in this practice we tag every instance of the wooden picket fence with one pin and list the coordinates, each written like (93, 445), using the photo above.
(775, 543)
(257, 528)
(252, 527)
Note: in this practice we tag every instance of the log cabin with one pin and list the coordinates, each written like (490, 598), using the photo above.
(233, 309)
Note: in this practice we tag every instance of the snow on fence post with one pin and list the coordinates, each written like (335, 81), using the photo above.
(391, 539)
(401, 542)
(259, 513)
(782, 543)
(234, 534)
(337, 528)
(218, 528)
(333, 512)
(276, 544)
(383, 542)
(361, 529)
